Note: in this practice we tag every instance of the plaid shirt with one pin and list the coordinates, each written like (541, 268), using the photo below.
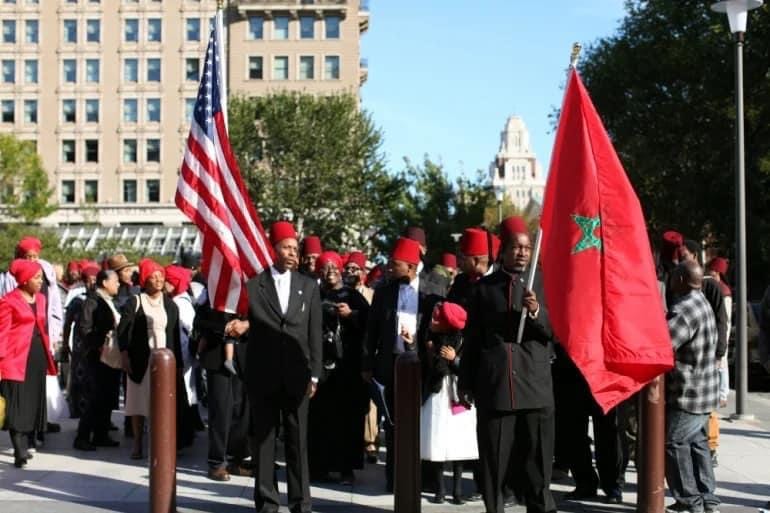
(693, 384)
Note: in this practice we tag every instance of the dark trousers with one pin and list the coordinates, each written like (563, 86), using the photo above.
(228, 418)
(524, 434)
(95, 419)
(267, 412)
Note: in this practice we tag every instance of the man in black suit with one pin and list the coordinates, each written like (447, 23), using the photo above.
(401, 307)
(510, 382)
(284, 363)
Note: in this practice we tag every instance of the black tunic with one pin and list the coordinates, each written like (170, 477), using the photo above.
(338, 410)
(25, 403)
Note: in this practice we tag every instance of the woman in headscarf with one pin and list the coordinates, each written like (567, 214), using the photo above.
(339, 408)
(25, 357)
(98, 320)
(150, 320)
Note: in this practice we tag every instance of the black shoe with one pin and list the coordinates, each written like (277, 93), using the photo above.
(52, 428)
(83, 445)
(105, 442)
(371, 457)
(510, 501)
(40, 438)
(438, 498)
(474, 497)
(578, 495)
(615, 498)
(113, 427)
(20, 462)
(457, 500)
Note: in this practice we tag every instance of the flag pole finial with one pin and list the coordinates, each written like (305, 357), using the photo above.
(575, 55)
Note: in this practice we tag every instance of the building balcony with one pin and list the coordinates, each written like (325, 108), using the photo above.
(363, 17)
(290, 5)
(363, 71)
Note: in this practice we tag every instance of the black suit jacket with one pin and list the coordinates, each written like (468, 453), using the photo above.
(209, 326)
(284, 351)
(380, 337)
(502, 375)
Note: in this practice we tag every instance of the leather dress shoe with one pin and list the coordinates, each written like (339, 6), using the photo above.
(83, 445)
(578, 495)
(614, 498)
(218, 474)
(239, 470)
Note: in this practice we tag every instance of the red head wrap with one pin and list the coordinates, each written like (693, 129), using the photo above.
(311, 245)
(73, 266)
(450, 316)
(449, 260)
(179, 277)
(406, 250)
(328, 257)
(374, 275)
(281, 230)
(23, 270)
(358, 258)
(27, 244)
(147, 267)
(719, 265)
(89, 268)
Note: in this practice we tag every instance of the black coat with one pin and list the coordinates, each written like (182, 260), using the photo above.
(381, 327)
(209, 328)
(96, 320)
(502, 375)
(283, 351)
(132, 335)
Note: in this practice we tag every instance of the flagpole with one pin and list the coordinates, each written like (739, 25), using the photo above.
(219, 27)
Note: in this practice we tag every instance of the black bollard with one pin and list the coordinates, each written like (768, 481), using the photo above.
(162, 431)
(407, 397)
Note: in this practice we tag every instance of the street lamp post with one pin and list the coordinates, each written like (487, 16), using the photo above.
(737, 15)
(499, 194)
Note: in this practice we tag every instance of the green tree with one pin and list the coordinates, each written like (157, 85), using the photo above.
(663, 85)
(24, 188)
(316, 160)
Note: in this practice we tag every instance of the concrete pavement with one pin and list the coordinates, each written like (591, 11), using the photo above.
(62, 480)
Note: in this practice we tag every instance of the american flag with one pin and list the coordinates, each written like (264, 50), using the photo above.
(211, 192)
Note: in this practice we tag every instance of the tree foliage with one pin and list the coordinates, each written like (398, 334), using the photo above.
(664, 85)
(24, 188)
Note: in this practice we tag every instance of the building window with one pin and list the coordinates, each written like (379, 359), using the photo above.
(153, 110)
(154, 30)
(68, 111)
(9, 31)
(129, 191)
(130, 113)
(153, 70)
(306, 65)
(30, 71)
(70, 31)
(332, 27)
(68, 191)
(91, 191)
(255, 68)
(131, 30)
(92, 150)
(307, 27)
(9, 71)
(68, 151)
(93, 31)
(92, 70)
(193, 29)
(192, 69)
(153, 150)
(129, 151)
(256, 24)
(30, 111)
(332, 67)
(32, 31)
(281, 27)
(189, 107)
(153, 191)
(70, 71)
(281, 68)
(131, 70)
(92, 111)
(7, 110)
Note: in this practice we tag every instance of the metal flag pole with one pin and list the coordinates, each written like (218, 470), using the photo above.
(219, 27)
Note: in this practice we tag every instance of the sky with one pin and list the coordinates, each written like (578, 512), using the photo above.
(444, 75)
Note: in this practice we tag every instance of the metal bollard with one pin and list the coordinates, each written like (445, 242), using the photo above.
(162, 431)
(650, 456)
(407, 397)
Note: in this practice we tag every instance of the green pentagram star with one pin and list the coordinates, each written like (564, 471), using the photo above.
(589, 240)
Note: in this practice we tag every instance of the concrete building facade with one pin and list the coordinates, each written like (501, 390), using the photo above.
(105, 88)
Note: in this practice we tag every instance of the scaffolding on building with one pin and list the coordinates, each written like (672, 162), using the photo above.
(143, 239)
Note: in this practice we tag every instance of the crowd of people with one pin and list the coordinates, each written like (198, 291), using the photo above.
(311, 363)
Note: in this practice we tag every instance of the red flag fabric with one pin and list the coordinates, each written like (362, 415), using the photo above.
(603, 298)
(211, 192)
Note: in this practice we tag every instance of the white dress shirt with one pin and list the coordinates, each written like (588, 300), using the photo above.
(282, 287)
(406, 312)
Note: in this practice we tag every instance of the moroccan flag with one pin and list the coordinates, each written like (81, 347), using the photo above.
(600, 283)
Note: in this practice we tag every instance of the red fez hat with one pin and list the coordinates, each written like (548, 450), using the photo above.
(328, 257)
(450, 316)
(73, 266)
(495, 247)
(179, 277)
(374, 275)
(27, 244)
(89, 268)
(474, 242)
(672, 240)
(416, 233)
(311, 245)
(512, 226)
(23, 270)
(148, 267)
(719, 265)
(406, 250)
(449, 260)
(281, 230)
(358, 258)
